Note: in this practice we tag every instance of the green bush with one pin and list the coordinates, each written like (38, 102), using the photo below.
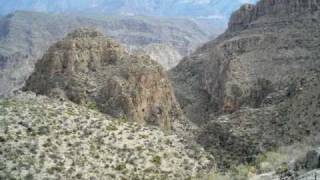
(242, 172)
(111, 127)
(271, 161)
(217, 176)
(156, 160)
(121, 167)
(92, 106)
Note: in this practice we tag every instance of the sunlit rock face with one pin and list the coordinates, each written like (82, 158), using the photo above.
(92, 70)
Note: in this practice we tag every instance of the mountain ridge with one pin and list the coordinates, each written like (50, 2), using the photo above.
(205, 9)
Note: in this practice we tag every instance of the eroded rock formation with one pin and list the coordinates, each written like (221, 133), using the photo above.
(92, 70)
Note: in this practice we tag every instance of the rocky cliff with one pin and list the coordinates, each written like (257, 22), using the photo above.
(92, 70)
(249, 13)
(252, 81)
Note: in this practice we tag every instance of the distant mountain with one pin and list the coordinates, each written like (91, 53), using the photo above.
(203, 9)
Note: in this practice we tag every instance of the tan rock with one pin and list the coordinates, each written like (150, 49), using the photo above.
(92, 70)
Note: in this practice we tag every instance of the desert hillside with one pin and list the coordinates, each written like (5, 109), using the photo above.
(256, 87)
(91, 96)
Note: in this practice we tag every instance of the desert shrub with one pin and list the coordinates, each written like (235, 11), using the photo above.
(121, 167)
(156, 160)
(271, 161)
(217, 176)
(92, 106)
(111, 127)
(242, 172)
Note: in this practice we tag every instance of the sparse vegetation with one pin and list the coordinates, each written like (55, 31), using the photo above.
(156, 160)
(121, 167)
(215, 176)
(87, 140)
(93, 106)
(250, 91)
(271, 161)
(111, 127)
(123, 119)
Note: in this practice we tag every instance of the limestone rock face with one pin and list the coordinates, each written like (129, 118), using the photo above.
(256, 87)
(92, 70)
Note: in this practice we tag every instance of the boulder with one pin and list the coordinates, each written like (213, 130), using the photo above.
(313, 159)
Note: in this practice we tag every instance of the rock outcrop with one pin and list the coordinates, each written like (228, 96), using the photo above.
(249, 13)
(92, 70)
(313, 159)
(43, 138)
(256, 86)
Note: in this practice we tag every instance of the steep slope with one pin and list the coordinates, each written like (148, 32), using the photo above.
(163, 54)
(281, 121)
(25, 36)
(91, 70)
(259, 72)
(256, 55)
(43, 138)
